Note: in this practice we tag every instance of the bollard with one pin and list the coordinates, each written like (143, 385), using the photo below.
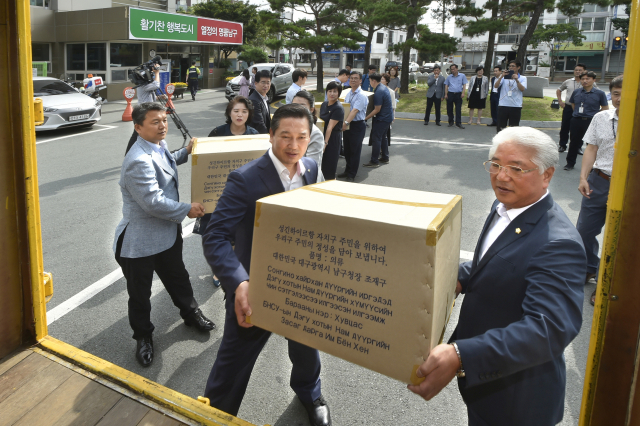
(169, 89)
(128, 93)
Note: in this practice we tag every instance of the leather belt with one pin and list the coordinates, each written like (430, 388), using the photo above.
(602, 174)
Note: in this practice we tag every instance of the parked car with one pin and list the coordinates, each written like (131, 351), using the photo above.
(427, 67)
(413, 67)
(391, 64)
(281, 79)
(64, 106)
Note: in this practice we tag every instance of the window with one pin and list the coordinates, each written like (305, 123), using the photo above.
(602, 8)
(41, 3)
(401, 38)
(40, 52)
(562, 21)
(599, 23)
(51, 88)
(575, 22)
(118, 75)
(96, 56)
(126, 55)
(75, 57)
(589, 8)
(593, 36)
(380, 38)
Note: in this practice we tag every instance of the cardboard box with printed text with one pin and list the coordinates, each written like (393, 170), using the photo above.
(362, 272)
(212, 159)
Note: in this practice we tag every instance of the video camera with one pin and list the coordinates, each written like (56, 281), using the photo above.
(143, 74)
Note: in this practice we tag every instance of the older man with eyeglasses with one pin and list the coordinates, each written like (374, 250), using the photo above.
(523, 295)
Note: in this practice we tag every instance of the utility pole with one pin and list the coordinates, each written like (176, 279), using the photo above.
(607, 42)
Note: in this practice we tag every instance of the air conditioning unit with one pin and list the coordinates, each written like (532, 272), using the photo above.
(532, 67)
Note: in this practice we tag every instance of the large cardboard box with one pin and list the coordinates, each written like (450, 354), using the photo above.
(366, 273)
(212, 159)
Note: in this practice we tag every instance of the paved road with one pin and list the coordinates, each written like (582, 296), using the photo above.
(81, 205)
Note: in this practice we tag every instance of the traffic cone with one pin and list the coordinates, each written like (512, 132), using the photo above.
(128, 93)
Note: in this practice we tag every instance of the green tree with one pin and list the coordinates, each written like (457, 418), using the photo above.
(556, 37)
(370, 16)
(442, 13)
(236, 11)
(430, 44)
(322, 23)
(622, 24)
(253, 54)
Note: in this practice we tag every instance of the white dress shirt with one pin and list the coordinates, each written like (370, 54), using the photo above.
(295, 182)
(161, 149)
(500, 222)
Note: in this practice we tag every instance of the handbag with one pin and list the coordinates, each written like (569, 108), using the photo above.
(555, 104)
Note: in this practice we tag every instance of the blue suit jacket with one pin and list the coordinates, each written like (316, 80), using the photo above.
(522, 307)
(234, 217)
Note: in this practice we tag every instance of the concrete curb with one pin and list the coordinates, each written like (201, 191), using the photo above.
(465, 119)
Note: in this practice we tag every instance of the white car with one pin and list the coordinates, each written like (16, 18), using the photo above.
(64, 106)
(413, 67)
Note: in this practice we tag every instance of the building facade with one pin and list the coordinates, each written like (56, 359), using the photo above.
(594, 21)
(109, 37)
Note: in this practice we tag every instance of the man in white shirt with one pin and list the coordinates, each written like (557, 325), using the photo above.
(299, 79)
(512, 85)
(597, 166)
(524, 292)
(282, 168)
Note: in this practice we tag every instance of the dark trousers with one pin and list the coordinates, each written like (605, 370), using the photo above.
(579, 126)
(454, 99)
(378, 140)
(593, 212)
(139, 274)
(193, 87)
(331, 156)
(495, 100)
(567, 113)
(237, 355)
(352, 140)
(508, 116)
(132, 140)
(430, 102)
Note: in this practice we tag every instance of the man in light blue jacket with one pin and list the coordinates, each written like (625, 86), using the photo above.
(148, 239)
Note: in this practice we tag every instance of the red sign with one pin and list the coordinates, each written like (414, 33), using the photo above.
(129, 93)
(216, 31)
(170, 88)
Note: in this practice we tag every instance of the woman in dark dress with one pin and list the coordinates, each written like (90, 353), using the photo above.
(239, 111)
(332, 113)
(478, 91)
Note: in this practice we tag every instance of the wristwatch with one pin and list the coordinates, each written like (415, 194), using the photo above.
(460, 373)
(346, 123)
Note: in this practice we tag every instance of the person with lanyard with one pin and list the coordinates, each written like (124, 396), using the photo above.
(192, 79)
(354, 127)
(382, 116)
(299, 79)
(570, 86)
(341, 79)
(478, 91)
(494, 99)
(510, 104)
(394, 83)
(366, 84)
(239, 111)
(332, 113)
(454, 92)
(595, 176)
(586, 102)
(435, 93)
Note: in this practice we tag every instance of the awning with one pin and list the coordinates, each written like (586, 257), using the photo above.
(581, 53)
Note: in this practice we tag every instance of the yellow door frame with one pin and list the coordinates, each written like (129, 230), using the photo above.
(15, 36)
(611, 378)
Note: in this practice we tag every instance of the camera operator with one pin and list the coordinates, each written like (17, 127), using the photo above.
(511, 86)
(146, 93)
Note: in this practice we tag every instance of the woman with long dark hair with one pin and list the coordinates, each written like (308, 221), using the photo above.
(332, 113)
(245, 81)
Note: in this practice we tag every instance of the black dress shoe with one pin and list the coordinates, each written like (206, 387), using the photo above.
(459, 126)
(491, 125)
(144, 351)
(450, 124)
(199, 321)
(342, 175)
(384, 160)
(562, 149)
(426, 123)
(318, 412)
(580, 151)
(349, 179)
(568, 167)
(437, 123)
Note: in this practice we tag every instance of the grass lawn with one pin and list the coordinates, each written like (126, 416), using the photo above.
(536, 109)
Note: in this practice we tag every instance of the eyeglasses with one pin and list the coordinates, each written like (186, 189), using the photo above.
(511, 171)
(264, 82)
